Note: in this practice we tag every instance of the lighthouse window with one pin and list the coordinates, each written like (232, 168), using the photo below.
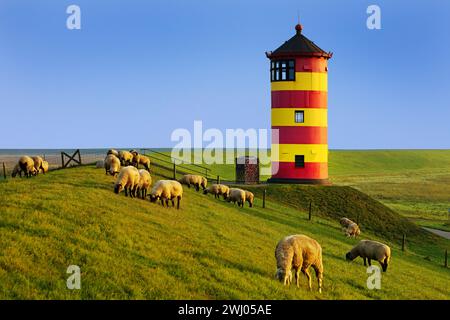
(299, 117)
(282, 70)
(299, 161)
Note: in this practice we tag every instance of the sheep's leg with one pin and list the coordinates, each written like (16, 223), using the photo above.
(178, 202)
(197, 187)
(365, 263)
(162, 202)
(167, 203)
(126, 192)
(297, 277)
(369, 261)
(173, 202)
(308, 275)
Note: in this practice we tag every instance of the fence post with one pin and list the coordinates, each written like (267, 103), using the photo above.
(4, 171)
(446, 259)
(79, 155)
(310, 210)
(218, 179)
(174, 171)
(403, 242)
(264, 198)
(62, 160)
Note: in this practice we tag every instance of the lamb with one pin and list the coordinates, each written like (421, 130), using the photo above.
(217, 190)
(249, 198)
(195, 180)
(166, 190)
(112, 164)
(298, 252)
(128, 180)
(236, 195)
(37, 163)
(350, 227)
(145, 181)
(26, 165)
(369, 249)
(113, 152)
(141, 159)
(126, 158)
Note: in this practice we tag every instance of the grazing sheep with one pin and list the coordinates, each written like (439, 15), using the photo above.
(298, 252)
(236, 195)
(134, 152)
(45, 166)
(126, 158)
(249, 198)
(369, 249)
(113, 152)
(112, 164)
(166, 190)
(37, 164)
(145, 181)
(217, 190)
(16, 171)
(141, 159)
(26, 165)
(128, 180)
(352, 230)
(196, 180)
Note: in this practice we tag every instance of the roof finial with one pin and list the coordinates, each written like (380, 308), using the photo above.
(298, 27)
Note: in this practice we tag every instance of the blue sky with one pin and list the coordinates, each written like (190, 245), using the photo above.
(137, 70)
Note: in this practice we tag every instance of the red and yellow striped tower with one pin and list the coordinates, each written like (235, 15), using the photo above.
(298, 71)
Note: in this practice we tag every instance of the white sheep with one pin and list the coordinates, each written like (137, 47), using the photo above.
(113, 152)
(193, 179)
(44, 166)
(126, 158)
(249, 197)
(236, 195)
(141, 159)
(217, 190)
(298, 252)
(350, 228)
(166, 190)
(37, 163)
(25, 165)
(128, 180)
(369, 249)
(145, 181)
(112, 164)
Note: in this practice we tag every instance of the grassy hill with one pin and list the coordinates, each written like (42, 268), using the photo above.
(131, 248)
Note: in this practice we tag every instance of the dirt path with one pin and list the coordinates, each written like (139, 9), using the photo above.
(441, 233)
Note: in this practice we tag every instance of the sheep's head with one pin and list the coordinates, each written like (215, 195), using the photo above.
(153, 198)
(118, 188)
(205, 191)
(349, 256)
(282, 276)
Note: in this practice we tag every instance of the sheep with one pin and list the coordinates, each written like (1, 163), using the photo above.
(113, 152)
(134, 152)
(145, 181)
(141, 159)
(44, 166)
(298, 252)
(217, 190)
(236, 195)
(126, 158)
(249, 198)
(369, 249)
(26, 165)
(128, 180)
(166, 190)
(350, 228)
(112, 164)
(196, 180)
(37, 164)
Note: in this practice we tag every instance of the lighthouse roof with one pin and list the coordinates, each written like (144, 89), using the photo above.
(299, 45)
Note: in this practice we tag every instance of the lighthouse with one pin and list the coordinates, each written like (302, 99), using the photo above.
(298, 75)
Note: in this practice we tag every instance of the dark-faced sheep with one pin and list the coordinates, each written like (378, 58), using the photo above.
(166, 190)
(128, 180)
(112, 165)
(25, 165)
(192, 179)
(217, 190)
(145, 181)
(298, 253)
(371, 250)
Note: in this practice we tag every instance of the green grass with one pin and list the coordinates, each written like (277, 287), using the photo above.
(210, 249)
